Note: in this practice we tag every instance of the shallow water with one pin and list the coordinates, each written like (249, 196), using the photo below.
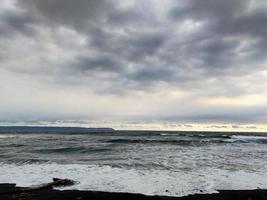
(161, 163)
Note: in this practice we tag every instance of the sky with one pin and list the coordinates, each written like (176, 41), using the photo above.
(196, 62)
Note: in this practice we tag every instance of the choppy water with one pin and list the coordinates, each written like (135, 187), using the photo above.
(162, 163)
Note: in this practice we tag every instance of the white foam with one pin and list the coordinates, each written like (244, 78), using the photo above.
(248, 137)
(7, 136)
(150, 182)
(165, 134)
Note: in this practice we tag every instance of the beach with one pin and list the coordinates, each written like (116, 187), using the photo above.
(6, 193)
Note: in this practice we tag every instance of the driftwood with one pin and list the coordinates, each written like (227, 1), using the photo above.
(56, 183)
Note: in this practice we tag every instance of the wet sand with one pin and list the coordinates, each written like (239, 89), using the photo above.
(7, 192)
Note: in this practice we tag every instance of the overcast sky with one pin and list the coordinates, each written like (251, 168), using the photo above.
(172, 60)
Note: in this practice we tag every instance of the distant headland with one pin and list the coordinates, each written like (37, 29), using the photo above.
(50, 129)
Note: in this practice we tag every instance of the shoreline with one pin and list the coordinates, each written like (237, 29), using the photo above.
(7, 192)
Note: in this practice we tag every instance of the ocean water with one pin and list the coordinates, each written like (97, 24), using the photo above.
(148, 162)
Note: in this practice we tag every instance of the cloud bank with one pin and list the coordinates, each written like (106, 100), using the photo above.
(185, 60)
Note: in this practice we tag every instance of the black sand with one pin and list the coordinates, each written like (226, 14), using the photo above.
(7, 192)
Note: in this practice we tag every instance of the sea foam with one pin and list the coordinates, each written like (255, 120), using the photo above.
(150, 182)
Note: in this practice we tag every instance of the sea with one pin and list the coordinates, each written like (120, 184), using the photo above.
(147, 162)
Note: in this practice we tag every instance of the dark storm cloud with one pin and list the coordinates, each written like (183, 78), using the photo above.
(206, 8)
(133, 46)
(136, 37)
(151, 74)
(228, 19)
(13, 23)
(253, 23)
(100, 63)
(125, 17)
(78, 14)
(145, 44)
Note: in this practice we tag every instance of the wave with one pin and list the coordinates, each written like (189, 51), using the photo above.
(22, 161)
(7, 136)
(196, 141)
(174, 142)
(207, 135)
(150, 182)
(66, 150)
(249, 139)
(12, 145)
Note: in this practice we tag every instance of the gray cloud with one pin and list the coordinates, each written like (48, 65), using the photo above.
(230, 22)
(203, 47)
(78, 15)
(13, 23)
(139, 38)
(99, 63)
